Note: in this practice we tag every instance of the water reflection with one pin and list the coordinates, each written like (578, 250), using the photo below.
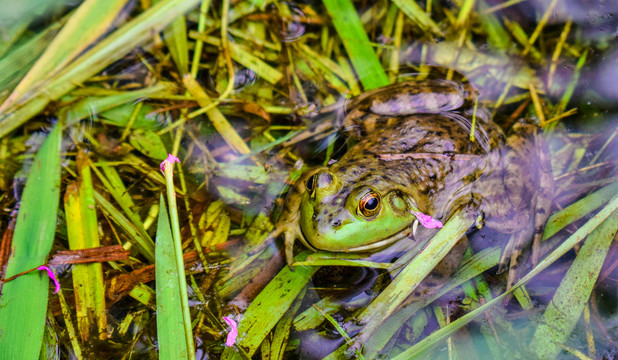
(288, 108)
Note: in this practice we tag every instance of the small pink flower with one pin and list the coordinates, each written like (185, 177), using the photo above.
(170, 160)
(52, 276)
(233, 334)
(427, 221)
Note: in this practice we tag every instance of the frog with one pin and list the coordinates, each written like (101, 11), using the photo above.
(422, 147)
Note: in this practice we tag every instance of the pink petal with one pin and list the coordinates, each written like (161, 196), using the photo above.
(233, 334)
(52, 276)
(427, 221)
(170, 160)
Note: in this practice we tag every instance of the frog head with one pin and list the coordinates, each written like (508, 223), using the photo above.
(340, 215)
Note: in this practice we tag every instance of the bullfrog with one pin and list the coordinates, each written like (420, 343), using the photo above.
(414, 156)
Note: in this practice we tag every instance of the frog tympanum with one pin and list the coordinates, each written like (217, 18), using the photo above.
(414, 154)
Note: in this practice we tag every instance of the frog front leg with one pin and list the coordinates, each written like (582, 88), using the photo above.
(289, 220)
(517, 194)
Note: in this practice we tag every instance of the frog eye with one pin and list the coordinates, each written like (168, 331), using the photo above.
(310, 183)
(369, 204)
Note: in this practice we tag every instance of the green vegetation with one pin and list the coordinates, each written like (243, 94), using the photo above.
(247, 94)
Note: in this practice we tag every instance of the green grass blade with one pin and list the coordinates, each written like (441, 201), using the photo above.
(579, 209)
(175, 37)
(83, 233)
(414, 272)
(144, 245)
(92, 105)
(496, 34)
(571, 297)
(269, 306)
(170, 328)
(417, 15)
(418, 350)
(110, 49)
(17, 62)
(114, 185)
(13, 30)
(89, 22)
(356, 42)
(470, 268)
(176, 41)
(179, 262)
(24, 300)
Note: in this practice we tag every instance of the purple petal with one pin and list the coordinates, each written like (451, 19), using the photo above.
(52, 276)
(233, 334)
(427, 221)
(171, 159)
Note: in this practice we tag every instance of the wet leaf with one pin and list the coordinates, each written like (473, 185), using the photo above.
(216, 224)
(83, 233)
(269, 306)
(356, 42)
(24, 300)
(149, 144)
(170, 328)
(95, 59)
(415, 271)
(567, 305)
(417, 15)
(91, 106)
(87, 24)
(120, 116)
(422, 347)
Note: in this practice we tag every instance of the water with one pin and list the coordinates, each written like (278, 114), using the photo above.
(293, 86)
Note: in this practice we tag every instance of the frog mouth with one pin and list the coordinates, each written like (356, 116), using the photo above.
(378, 245)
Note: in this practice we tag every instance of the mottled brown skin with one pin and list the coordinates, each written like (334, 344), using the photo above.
(430, 157)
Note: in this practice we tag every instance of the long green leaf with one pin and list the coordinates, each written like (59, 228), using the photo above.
(170, 328)
(176, 40)
(269, 306)
(110, 49)
(24, 300)
(16, 63)
(415, 271)
(179, 265)
(83, 233)
(92, 105)
(418, 350)
(417, 15)
(91, 20)
(356, 42)
(579, 209)
(571, 297)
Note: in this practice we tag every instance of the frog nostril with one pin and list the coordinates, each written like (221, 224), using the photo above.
(337, 223)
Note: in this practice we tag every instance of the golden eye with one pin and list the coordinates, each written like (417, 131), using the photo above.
(369, 204)
(310, 183)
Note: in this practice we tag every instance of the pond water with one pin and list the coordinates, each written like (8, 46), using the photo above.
(285, 132)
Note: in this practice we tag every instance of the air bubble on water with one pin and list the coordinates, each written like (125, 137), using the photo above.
(293, 29)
